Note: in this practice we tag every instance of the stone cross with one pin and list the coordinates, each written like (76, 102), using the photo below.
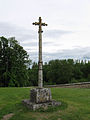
(40, 72)
(40, 97)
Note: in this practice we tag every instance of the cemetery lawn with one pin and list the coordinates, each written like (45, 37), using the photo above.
(75, 105)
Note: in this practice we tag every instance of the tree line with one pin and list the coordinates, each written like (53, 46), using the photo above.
(15, 68)
(62, 72)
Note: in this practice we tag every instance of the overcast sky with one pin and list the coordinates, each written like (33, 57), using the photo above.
(66, 36)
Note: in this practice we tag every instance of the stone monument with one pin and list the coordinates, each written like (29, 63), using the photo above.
(40, 97)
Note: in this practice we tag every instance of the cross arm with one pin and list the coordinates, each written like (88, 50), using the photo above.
(44, 24)
(35, 23)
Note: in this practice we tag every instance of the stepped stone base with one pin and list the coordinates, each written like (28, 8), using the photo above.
(40, 98)
(35, 106)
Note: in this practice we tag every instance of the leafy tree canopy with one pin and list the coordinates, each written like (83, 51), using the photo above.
(14, 62)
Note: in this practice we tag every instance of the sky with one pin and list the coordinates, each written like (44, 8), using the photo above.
(67, 35)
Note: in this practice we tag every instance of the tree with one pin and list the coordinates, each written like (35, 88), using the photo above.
(14, 61)
(33, 75)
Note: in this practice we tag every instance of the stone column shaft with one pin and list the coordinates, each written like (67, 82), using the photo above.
(40, 71)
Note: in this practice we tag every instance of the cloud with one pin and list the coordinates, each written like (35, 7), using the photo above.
(29, 44)
(28, 37)
(10, 30)
(56, 33)
(29, 41)
(76, 53)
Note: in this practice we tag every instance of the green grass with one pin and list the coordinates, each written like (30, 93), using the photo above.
(75, 104)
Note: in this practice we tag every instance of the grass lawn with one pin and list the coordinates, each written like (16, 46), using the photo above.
(75, 104)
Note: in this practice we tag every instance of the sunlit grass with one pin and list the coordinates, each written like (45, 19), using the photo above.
(75, 104)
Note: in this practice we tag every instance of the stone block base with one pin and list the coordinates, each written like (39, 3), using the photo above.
(35, 106)
(40, 98)
(40, 95)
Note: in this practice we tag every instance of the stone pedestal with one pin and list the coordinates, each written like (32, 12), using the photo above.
(40, 98)
(40, 95)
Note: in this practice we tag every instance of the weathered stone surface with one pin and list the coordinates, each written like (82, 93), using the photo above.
(40, 98)
(40, 95)
(40, 71)
(35, 106)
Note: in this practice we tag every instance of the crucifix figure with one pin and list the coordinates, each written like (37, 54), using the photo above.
(40, 71)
